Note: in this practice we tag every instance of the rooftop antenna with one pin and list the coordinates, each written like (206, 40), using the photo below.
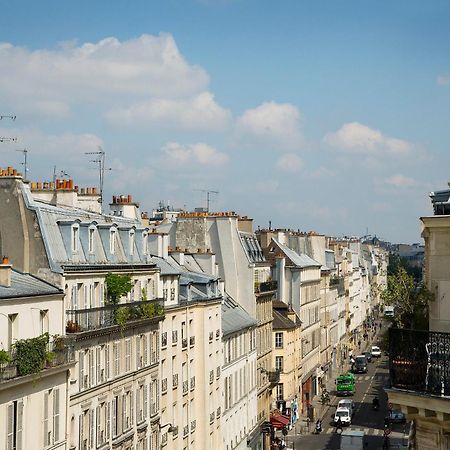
(25, 169)
(208, 193)
(100, 160)
(8, 139)
(62, 174)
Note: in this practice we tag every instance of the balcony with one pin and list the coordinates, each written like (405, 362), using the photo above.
(192, 341)
(184, 343)
(211, 417)
(185, 430)
(267, 286)
(31, 356)
(419, 361)
(175, 380)
(164, 386)
(192, 383)
(164, 339)
(185, 387)
(193, 425)
(80, 320)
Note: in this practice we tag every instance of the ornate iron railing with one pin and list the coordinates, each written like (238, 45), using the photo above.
(267, 286)
(274, 376)
(420, 361)
(79, 320)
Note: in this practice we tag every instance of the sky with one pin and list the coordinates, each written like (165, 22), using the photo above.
(332, 116)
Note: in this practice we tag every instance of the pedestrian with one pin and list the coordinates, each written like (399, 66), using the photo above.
(338, 424)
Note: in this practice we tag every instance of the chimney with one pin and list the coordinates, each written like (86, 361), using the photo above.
(5, 272)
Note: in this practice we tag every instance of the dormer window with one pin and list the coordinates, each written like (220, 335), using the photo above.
(131, 242)
(75, 237)
(91, 239)
(144, 242)
(112, 241)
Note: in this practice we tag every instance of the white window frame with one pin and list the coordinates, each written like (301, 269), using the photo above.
(75, 237)
(112, 240)
(91, 237)
(131, 237)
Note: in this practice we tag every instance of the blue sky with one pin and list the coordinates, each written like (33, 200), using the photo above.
(318, 115)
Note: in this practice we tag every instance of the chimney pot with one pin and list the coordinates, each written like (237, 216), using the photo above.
(5, 260)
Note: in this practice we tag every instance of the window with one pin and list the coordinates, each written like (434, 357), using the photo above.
(131, 242)
(13, 324)
(280, 391)
(112, 241)
(144, 243)
(14, 425)
(172, 294)
(91, 240)
(75, 237)
(279, 363)
(278, 340)
(43, 319)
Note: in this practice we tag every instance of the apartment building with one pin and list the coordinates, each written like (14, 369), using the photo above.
(115, 384)
(239, 419)
(419, 370)
(34, 367)
(191, 353)
(287, 354)
(298, 285)
(240, 263)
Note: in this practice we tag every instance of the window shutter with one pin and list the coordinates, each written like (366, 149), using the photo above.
(46, 440)
(131, 407)
(81, 431)
(81, 367)
(107, 361)
(91, 368)
(145, 350)
(98, 365)
(91, 429)
(19, 425)
(10, 428)
(124, 412)
(138, 352)
(145, 402)
(56, 415)
(98, 418)
(108, 420)
(114, 417)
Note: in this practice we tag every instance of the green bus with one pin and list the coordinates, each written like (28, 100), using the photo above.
(345, 384)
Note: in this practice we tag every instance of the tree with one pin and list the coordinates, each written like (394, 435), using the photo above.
(117, 286)
(409, 298)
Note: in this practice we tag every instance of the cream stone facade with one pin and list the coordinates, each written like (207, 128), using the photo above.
(33, 406)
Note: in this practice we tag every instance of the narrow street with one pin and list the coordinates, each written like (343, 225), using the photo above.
(365, 419)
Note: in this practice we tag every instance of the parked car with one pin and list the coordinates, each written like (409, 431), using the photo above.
(376, 352)
(368, 356)
(360, 364)
(349, 404)
(396, 416)
(344, 415)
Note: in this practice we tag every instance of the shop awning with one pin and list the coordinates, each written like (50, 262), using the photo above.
(280, 421)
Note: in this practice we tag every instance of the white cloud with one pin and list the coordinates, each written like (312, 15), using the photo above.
(198, 112)
(193, 154)
(274, 123)
(400, 181)
(55, 80)
(290, 162)
(358, 138)
(443, 79)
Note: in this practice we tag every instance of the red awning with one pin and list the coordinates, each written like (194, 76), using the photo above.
(280, 421)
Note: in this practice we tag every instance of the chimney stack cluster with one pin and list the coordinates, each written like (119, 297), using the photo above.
(122, 200)
(9, 172)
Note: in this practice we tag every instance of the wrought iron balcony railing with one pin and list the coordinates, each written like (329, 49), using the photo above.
(184, 343)
(79, 320)
(192, 341)
(185, 387)
(266, 286)
(420, 361)
(274, 376)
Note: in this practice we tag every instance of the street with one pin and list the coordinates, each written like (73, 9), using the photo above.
(365, 419)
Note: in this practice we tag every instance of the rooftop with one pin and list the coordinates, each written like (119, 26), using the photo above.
(26, 285)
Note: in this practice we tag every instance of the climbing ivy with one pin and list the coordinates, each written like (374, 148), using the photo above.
(31, 354)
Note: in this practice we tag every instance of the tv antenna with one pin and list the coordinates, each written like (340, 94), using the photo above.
(208, 194)
(62, 174)
(100, 160)
(7, 139)
(25, 168)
